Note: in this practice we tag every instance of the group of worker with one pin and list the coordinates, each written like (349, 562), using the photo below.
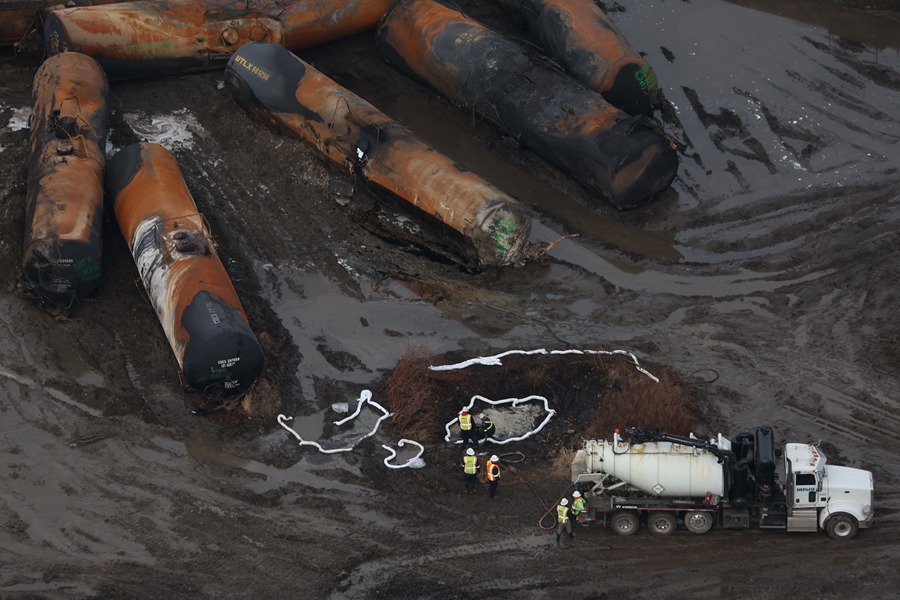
(471, 434)
(471, 468)
(565, 514)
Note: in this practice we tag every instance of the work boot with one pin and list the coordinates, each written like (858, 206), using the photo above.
(557, 539)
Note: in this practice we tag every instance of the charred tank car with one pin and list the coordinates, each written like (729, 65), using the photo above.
(196, 303)
(64, 201)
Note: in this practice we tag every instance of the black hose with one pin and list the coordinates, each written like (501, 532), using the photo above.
(541, 500)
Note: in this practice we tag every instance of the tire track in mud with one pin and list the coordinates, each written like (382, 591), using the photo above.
(367, 577)
(843, 414)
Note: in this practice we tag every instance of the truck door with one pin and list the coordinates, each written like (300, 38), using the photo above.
(802, 511)
(805, 490)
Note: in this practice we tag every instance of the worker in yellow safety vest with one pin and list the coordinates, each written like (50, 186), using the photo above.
(578, 506)
(470, 469)
(562, 519)
(487, 428)
(465, 425)
(493, 474)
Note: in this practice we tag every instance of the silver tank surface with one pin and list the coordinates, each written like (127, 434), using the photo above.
(663, 469)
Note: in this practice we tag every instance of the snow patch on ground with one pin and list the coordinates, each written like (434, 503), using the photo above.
(19, 119)
(173, 131)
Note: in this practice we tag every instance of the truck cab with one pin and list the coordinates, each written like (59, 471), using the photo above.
(838, 500)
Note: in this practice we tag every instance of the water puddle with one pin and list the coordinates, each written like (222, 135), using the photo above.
(52, 392)
(681, 283)
(870, 29)
(260, 477)
(72, 364)
(329, 326)
(766, 106)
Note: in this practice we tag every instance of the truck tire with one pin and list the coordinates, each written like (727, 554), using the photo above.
(624, 523)
(696, 521)
(661, 523)
(841, 526)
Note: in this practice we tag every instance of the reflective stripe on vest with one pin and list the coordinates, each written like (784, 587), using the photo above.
(562, 513)
(493, 471)
(465, 422)
(470, 463)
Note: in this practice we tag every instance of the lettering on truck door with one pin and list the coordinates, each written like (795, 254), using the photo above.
(805, 488)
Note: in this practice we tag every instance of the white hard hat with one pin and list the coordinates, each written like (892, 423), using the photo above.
(495, 458)
(576, 494)
(470, 452)
(564, 501)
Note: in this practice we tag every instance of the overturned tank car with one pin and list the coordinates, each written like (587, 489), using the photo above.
(64, 199)
(584, 40)
(628, 160)
(279, 89)
(196, 303)
(144, 39)
(20, 20)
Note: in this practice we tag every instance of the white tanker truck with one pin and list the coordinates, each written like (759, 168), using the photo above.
(662, 480)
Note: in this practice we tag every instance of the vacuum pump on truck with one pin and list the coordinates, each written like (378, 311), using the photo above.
(660, 480)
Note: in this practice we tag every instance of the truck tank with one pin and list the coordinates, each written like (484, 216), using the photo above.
(661, 469)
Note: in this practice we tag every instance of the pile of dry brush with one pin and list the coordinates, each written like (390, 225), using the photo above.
(593, 394)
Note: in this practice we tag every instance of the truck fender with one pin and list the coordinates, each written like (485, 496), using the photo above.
(851, 508)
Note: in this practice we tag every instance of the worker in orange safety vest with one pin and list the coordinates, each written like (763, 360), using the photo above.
(493, 475)
(470, 469)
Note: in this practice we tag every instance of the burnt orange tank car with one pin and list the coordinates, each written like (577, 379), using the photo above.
(64, 198)
(583, 39)
(628, 160)
(196, 303)
(20, 19)
(279, 89)
(144, 39)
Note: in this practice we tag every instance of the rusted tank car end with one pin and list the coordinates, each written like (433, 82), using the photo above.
(64, 199)
(188, 286)
(583, 39)
(146, 39)
(628, 160)
(282, 91)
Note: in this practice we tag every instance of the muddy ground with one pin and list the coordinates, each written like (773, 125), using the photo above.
(766, 276)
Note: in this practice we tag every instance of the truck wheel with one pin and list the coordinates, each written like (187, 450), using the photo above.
(624, 523)
(698, 522)
(841, 527)
(661, 523)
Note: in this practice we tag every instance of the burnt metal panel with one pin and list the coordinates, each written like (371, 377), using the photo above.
(188, 286)
(583, 39)
(144, 39)
(64, 199)
(279, 89)
(626, 159)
